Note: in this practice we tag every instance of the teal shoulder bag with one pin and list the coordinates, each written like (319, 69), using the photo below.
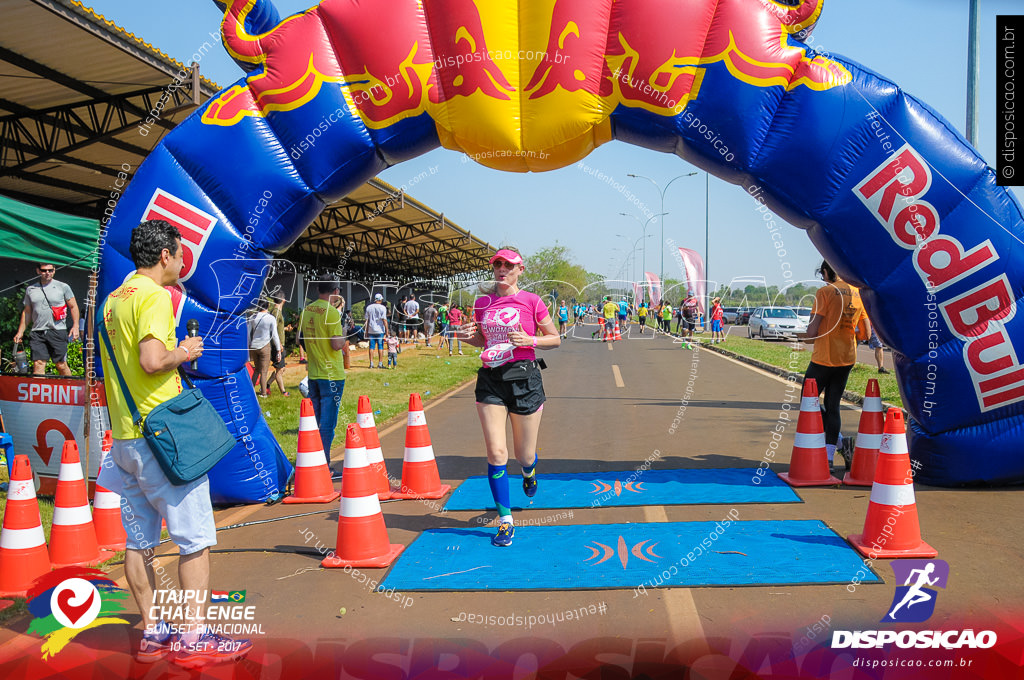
(186, 434)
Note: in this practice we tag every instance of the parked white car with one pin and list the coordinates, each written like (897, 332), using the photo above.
(803, 312)
(775, 322)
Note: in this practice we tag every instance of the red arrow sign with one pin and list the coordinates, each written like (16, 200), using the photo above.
(44, 428)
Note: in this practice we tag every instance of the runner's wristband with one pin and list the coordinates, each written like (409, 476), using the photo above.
(188, 355)
(535, 342)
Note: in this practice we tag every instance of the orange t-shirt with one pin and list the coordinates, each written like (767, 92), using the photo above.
(841, 310)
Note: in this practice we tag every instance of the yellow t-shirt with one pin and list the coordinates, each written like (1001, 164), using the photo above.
(841, 310)
(610, 310)
(320, 321)
(137, 310)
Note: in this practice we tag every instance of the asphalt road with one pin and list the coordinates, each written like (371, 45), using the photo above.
(612, 408)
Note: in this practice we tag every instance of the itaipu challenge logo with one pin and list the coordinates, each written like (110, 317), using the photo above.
(68, 601)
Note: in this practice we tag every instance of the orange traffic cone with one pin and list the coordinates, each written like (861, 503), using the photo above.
(618, 333)
(891, 528)
(72, 536)
(23, 554)
(420, 478)
(869, 438)
(106, 509)
(362, 536)
(809, 464)
(312, 476)
(366, 423)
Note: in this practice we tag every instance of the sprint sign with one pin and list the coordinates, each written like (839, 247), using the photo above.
(40, 414)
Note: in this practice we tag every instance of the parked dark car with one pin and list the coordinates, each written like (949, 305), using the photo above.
(743, 315)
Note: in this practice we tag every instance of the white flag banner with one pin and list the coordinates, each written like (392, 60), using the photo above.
(693, 268)
(654, 286)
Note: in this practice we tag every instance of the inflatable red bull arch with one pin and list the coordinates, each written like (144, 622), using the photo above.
(886, 189)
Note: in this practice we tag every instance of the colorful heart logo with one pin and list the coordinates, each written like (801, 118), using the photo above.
(75, 603)
(73, 612)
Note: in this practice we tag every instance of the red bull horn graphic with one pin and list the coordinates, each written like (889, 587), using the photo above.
(498, 90)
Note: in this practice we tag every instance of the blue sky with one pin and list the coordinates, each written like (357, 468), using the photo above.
(919, 44)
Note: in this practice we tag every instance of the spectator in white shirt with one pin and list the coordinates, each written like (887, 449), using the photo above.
(262, 330)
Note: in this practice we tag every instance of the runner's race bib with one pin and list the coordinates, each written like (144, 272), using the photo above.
(496, 355)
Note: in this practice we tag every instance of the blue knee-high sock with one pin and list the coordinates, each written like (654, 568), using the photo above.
(498, 481)
(528, 470)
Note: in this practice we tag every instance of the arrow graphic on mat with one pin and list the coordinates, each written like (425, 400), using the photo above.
(45, 427)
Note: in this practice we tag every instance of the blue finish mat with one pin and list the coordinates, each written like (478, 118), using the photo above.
(604, 556)
(619, 489)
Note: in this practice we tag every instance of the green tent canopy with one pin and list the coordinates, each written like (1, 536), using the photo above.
(35, 234)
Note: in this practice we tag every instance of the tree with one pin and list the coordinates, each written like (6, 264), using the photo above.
(551, 269)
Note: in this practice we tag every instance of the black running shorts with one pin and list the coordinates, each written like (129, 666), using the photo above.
(521, 397)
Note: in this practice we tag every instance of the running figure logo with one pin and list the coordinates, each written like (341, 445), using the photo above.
(913, 601)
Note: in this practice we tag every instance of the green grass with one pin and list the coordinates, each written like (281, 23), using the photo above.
(15, 611)
(419, 370)
(783, 355)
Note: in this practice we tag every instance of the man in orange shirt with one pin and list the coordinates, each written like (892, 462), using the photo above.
(838, 320)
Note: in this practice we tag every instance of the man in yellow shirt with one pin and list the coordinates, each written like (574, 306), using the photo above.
(140, 323)
(610, 309)
(324, 338)
(838, 320)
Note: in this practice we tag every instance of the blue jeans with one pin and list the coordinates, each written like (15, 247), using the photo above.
(326, 398)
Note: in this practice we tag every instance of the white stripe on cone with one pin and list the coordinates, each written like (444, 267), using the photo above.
(72, 516)
(892, 494)
(420, 454)
(809, 440)
(868, 441)
(893, 444)
(21, 490)
(356, 458)
(872, 404)
(20, 539)
(70, 472)
(365, 420)
(375, 455)
(307, 423)
(310, 459)
(106, 500)
(417, 418)
(809, 404)
(364, 506)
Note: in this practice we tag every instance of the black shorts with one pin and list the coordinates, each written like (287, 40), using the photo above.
(49, 344)
(521, 397)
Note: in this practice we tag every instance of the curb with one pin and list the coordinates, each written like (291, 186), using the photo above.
(788, 375)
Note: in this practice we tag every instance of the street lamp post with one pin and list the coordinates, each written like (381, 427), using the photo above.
(663, 213)
(643, 266)
(632, 252)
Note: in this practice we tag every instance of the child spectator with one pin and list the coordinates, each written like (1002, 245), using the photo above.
(392, 351)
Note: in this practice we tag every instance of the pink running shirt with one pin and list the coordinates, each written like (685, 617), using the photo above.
(498, 316)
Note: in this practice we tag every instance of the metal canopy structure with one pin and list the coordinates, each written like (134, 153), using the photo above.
(81, 100)
(76, 91)
(381, 232)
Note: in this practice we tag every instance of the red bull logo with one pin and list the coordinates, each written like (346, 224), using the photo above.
(534, 77)
(894, 194)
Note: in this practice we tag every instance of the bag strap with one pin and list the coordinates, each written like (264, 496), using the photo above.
(136, 416)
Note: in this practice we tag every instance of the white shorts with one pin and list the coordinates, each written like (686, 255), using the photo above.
(147, 496)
